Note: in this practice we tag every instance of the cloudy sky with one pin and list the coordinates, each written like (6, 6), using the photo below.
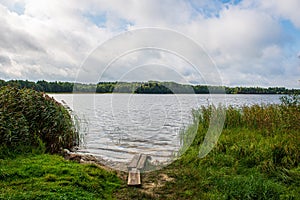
(249, 42)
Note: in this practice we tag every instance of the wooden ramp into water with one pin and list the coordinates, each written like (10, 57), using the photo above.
(136, 165)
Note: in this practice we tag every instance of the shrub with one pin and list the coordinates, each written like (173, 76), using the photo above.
(30, 120)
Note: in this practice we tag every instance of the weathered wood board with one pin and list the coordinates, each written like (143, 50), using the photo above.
(134, 177)
(134, 161)
(137, 164)
(142, 162)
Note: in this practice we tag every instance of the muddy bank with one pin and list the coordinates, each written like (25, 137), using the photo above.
(107, 164)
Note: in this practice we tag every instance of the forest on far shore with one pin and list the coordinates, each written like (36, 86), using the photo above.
(150, 87)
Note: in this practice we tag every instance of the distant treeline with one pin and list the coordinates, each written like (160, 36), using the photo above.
(150, 87)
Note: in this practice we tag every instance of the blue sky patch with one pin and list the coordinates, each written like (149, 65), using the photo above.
(101, 21)
(212, 8)
(292, 37)
(17, 8)
(97, 19)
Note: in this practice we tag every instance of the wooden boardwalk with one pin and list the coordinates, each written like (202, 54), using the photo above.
(135, 167)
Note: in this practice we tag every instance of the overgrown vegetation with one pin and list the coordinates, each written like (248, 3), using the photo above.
(51, 177)
(32, 121)
(257, 157)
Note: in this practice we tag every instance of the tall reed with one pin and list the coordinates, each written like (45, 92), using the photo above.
(30, 119)
(266, 136)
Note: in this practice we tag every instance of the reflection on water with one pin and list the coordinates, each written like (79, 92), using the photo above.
(124, 124)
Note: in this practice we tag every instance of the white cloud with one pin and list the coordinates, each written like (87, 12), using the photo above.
(50, 36)
(247, 44)
(50, 39)
(288, 9)
(148, 12)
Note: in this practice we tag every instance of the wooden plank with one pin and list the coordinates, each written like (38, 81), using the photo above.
(137, 163)
(142, 162)
(134, 177)
(134, 161)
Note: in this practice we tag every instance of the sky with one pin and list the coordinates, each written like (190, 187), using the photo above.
(241, 42)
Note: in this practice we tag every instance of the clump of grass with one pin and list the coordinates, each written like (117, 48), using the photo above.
(32, 121)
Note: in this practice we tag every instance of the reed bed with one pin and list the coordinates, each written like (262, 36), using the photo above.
(257, 155)
(32, 121)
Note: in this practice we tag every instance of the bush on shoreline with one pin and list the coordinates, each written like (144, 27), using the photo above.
(32, 121)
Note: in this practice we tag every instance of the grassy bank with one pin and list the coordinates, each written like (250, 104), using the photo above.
(257, 157)
(47, 176)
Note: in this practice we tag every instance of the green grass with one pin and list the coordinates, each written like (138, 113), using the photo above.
(51, 177)
(245, 164)
(257, 157)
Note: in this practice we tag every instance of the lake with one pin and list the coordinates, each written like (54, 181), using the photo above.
(117, 126)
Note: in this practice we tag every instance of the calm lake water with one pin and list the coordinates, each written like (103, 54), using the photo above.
(116, 126)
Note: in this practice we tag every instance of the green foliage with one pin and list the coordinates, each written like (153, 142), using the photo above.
(31, 120)
(43, 86)
(257, 157)
(150, 87)
(51, 177)
(266, 118)
(259, 90)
